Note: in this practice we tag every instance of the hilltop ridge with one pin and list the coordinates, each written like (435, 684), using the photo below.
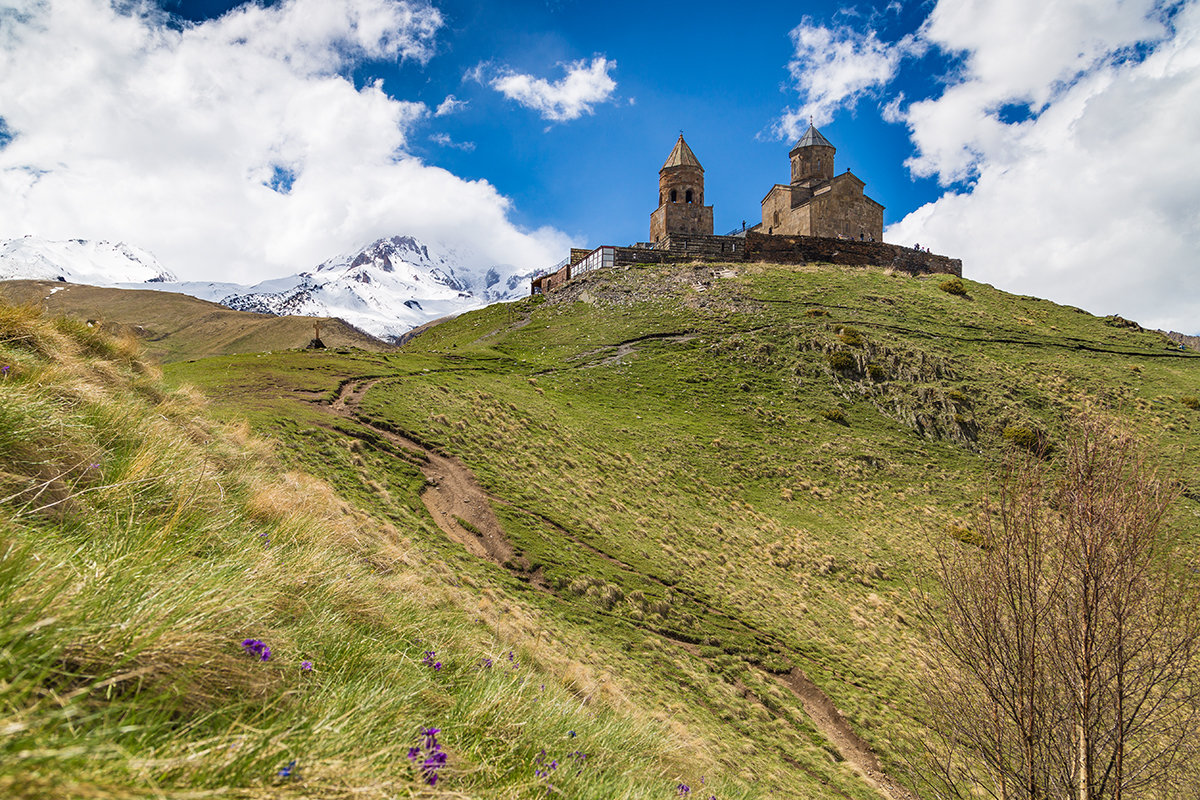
(695, 505)
(738, 472)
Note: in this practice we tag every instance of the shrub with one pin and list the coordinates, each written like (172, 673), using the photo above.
(966, 535)
(852, 337)
(953, 286)
(1028, 439)
(841, 361)
(1191, 401)
(876, 372)
(835, 415)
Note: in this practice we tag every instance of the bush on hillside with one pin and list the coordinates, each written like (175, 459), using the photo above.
(953, 286)
(835, 415)
(1028, 439)
(841, 361)
(852, 337)
(1191, 401)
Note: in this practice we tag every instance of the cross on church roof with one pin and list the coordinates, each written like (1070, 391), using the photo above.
(812, 137)
(682, 155)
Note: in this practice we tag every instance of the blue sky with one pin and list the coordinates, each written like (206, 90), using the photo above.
(717, 75)
(1050, 146)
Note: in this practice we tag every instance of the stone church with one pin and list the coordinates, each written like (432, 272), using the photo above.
(817, 202)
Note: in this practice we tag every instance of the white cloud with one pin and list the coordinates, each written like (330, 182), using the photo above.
(832, 68)
(451, 105)
(568, 98)
(1094, 200)
(233, 149)
(445, 140)
(1023, 52)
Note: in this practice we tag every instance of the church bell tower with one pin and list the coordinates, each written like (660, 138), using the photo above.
(681, 208)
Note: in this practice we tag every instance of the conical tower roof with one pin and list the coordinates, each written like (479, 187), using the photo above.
(682, 156)
(811, 137)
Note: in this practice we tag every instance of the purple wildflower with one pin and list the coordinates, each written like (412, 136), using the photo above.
(306, 666)
(683, 789)
(487, 663)
(5, 369)
(257, 648)
(286, 772)
(432, 757)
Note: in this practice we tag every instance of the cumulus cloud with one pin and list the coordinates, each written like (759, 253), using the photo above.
(1093, 197)
(832, 68)
(238, 148)
(577, 93)
(1022, 53)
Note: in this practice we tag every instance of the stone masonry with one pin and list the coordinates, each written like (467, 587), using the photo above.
(818, 202)
(681, 206)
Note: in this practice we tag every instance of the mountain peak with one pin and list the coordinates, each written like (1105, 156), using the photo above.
(89, 261)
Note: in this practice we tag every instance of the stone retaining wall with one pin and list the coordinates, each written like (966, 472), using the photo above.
(767, 248)
(806, 249)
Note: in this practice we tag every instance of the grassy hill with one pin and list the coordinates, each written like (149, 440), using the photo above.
(176, 327)
(696, 503)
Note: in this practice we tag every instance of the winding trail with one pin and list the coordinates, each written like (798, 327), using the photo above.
(455, 500)
(462, 509)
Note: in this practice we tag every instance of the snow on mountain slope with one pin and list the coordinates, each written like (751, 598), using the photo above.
(98, 263)
(386, 289)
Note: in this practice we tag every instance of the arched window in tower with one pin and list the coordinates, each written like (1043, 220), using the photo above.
(674, 196)
(688, 196)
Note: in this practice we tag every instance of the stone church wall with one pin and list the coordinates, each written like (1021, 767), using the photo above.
(806, 249)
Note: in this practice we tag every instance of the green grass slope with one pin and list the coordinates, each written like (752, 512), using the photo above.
(718, 473)
(176, 327)
(144, 545)
(718, 482)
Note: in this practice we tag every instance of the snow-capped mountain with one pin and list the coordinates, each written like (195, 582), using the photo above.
(386, 289)
(98, 263)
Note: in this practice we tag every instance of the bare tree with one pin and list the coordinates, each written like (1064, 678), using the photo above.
(1069, 643)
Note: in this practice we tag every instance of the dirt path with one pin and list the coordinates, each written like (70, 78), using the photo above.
(834, 727)
(455, 500)
(463, 510)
